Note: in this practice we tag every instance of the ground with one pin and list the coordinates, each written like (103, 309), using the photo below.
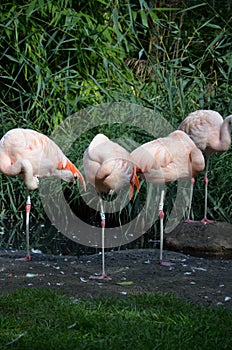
(196, 279)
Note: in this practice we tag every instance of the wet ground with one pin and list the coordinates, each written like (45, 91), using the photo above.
(196, 279)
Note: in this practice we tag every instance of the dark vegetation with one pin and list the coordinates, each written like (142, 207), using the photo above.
(58, 58)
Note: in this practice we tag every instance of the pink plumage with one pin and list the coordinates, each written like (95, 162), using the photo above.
(168, 159)
(108, 167)
(31, 155)
(211, 134)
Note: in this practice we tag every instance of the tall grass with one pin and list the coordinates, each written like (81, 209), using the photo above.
(58, 58)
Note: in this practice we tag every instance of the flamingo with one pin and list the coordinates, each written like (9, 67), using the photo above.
(108, 167)
(211, 134)
(166, 160)
(30, 155)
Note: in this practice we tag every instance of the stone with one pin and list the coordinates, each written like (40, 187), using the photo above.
(201, 239)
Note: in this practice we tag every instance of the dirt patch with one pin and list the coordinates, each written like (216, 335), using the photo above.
(132, 271)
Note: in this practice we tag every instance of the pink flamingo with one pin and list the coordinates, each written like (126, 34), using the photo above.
(168, 159)
(30, 155)
(211, 134)
(108, 167)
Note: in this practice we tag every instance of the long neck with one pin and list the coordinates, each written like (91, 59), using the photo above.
(21, 167)
(225, 137)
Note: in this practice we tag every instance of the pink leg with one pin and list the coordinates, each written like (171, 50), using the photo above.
(161, 216)
(205, 220)
(103, 276)
(28, 209)
(188, 220)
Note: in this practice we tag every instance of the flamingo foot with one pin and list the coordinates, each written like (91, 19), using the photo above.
(189, 221)
(100, 277)
(165, 263)
(207, 221)
(27, 258)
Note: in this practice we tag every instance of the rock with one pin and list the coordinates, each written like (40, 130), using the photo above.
(211, 239)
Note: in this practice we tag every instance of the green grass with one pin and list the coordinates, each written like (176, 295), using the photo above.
(44, 319)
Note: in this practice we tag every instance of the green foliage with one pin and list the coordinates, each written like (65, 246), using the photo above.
(41, 318)
(60, 57)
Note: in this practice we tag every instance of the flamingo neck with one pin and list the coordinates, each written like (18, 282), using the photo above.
(225, 137)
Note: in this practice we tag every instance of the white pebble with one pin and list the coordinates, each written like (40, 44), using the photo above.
(227, 299)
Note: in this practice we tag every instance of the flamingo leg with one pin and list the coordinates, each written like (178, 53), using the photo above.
(190, 201)
(103, 276)
(28, 209)
(161, 216)
(205, 220)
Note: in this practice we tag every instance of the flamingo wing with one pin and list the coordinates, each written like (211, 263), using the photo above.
(167, 159)
(203, 127)
(45, 157)
(108, 166)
